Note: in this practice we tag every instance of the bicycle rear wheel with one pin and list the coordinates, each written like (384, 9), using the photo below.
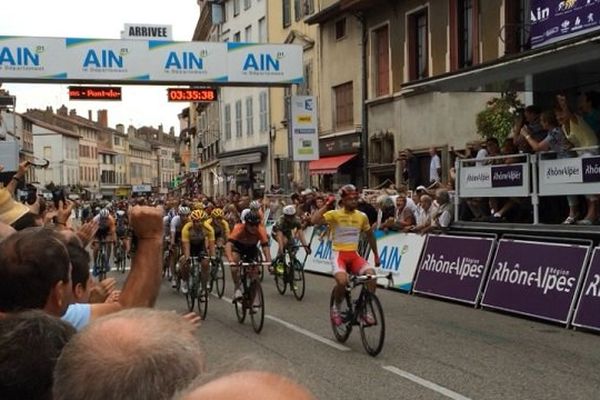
(257, 306)
(297, 283)
(372, 324)
(202, 303)
(342, 331)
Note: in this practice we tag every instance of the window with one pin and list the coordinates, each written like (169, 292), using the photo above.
(238, 118)
(344, 105)
(247, 4)
(340, 29)
(264, 115)
(287, 13)
(418, 48)
(298, 9)
(516, 30)
(262, 30)
(248, 33)
(237, 37)
(464, 37)
(309, 7)
(227, 122)
(381, 56)
(249, 117)
(236, 8)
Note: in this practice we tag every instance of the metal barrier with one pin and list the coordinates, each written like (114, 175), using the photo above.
(534, 176)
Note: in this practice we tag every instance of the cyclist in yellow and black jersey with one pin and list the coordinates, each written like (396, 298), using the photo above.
(197, 240)
(219, 225)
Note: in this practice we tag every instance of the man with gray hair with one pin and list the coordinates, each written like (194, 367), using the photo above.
(134, 354)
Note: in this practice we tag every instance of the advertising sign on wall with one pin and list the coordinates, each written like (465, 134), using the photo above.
(535, 279)
(305, 135)
(555, 20)
(569, 176)
(587, 314)
(494, 180)
(269, 63)
(453, 267)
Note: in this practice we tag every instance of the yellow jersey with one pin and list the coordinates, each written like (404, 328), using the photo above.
(188, 232)
(346, 227)
(221, 226)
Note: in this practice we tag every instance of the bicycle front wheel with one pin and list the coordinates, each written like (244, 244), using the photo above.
(372, 324)
(190, 296)
(343, 330)
(220, 278)
(280, 281)
(298, 283)
(202, 303)
(257, 306)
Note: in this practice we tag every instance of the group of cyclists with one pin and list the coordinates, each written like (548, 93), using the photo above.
(237, 231)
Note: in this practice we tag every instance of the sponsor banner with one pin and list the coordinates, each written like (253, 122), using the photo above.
(453, 267)
(535, 279)
(569, 176)
(141, 188)
(565, 170)
(305, 134)
(494, 180)
(399, 254)
(269, 63)
(556, 20)
(591, 169)
(183, 61)
(42, 60)
(588, 308)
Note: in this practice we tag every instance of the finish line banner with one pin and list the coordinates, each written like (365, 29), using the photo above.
(535, 279)
(453, 267)
(587, 314)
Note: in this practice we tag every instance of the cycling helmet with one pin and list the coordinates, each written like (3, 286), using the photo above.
(348, 190)
(217, 213)
(183, 210)
(255, 205)
(289, 210)
(244, 213)
(198, 215)
(199, 205)
(104, 213)
(120, 213)
(252, 218)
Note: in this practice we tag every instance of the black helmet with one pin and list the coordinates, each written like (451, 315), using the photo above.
(252, 218)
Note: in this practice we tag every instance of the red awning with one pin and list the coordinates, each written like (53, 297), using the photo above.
(328, 165)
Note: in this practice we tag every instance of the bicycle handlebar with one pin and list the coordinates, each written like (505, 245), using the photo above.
(360, 279)
(245, 264)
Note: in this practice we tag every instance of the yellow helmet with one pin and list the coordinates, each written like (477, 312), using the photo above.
(198, 215)
(199, 205)
(217, 213)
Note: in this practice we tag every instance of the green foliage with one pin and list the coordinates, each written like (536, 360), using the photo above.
(497, 119)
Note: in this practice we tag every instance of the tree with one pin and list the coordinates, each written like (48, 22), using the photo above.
(497, 119)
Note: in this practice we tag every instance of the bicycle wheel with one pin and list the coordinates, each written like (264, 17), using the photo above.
(281, 281)
(102, 265)
(342, 332)
(202, 303)
(372, 332)
(257, 306)
(192, 292)
(297, 283)
(261, 267)
(240, 310)
(220, 278)
(122, 259)
(166, 272)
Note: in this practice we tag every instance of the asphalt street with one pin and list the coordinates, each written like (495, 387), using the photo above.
(433, 349)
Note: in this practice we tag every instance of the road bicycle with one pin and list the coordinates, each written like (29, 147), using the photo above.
(120, 258)
(196, 290)
(292, 274)
(217, 273)
(167, 257)
(101, 262)
(253, 300)
(354, 312)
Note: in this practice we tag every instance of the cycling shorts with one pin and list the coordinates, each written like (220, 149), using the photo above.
(247, 253)
(348, 261)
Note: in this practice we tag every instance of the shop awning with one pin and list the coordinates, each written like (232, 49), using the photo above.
(560, 66)
(329, 165)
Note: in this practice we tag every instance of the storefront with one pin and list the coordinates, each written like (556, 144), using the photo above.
(340, 161)
(244, 170)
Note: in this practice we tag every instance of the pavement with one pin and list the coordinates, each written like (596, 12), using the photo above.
(433, 349)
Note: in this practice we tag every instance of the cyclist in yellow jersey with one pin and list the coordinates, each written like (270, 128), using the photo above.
(219, 225)
(347, 224)
(197, 239)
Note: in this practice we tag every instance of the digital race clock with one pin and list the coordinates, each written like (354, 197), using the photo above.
(192, 94)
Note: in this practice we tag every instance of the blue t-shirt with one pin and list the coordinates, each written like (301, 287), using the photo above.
(78, 315)
(593, 120)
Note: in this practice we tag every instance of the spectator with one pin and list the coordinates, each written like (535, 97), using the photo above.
(443, 215)
(435, 167)
(589, 106)
(365, 207)
(405, 212)
(30, 344)
(528, 122)
(154, 355)
(411, 171)
(424, 215)
(250, 385)
(386, 211)
(13, 213)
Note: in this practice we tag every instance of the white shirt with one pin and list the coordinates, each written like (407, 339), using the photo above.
(422, 216)
(481, 154)
(433, 168)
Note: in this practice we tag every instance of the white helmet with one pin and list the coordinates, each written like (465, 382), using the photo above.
(245, 212)
(289, 210)
(120, 213)
(104, 213)
(254, 205)
(183, 210)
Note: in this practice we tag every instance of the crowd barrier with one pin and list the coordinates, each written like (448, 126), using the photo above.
(548, 280)
(532, 175)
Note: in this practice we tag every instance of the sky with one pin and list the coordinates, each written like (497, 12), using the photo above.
(101, 19)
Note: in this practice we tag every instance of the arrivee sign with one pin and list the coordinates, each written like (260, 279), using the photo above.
(453, 267)
(535, 279)
(587, 314)
(555, 20)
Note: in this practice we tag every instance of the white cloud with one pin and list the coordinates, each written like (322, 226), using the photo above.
(145, 105)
